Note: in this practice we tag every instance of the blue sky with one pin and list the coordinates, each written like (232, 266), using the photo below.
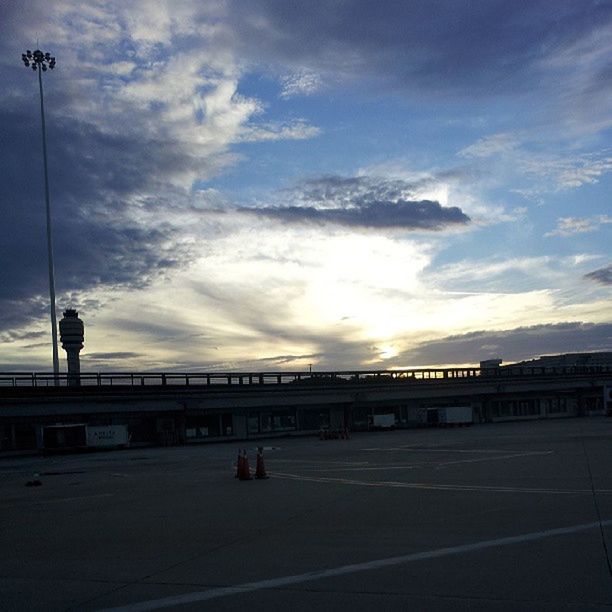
(348, 184)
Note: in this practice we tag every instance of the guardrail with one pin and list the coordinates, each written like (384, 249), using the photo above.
(133, 379)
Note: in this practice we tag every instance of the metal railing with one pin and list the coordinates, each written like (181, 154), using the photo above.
(208, 379)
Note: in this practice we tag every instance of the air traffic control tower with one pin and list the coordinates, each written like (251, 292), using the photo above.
(72, 335)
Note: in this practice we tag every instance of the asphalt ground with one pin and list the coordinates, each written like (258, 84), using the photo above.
(490, 517)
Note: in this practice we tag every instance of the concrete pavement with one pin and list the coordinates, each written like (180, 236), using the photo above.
(492, 517)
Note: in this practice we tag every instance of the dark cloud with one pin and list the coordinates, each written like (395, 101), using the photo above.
(404, 215)
(473, 47)
(178, 333)
(338, 190)
(363, 202)
(96, 237)
(113, 356)
(603, 276)
(511, 345)
(360, 190)
(281, 360)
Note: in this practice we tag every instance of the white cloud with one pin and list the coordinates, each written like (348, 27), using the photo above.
(301, 83)
(569, 226)
(514, 155)
(496, 144)
(298, 129)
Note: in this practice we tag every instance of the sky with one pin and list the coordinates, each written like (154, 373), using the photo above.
(342, 184)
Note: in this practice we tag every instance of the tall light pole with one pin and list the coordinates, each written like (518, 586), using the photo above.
(40, 61)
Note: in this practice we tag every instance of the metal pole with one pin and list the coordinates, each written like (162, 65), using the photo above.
(49, 244)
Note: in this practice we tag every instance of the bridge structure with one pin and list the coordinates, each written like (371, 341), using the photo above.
(178, 408)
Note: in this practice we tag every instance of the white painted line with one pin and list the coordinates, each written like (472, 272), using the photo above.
(411, 466)
(421, 449)
(315, 462)
(437, 487)
(408, 466)
(273, 583)
(497, 458)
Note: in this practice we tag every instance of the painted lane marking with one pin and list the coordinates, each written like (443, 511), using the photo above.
(411, 466)
(424, 449)
(315, 462)
(436, 487)
(408, 466)
(497, 458)
(273, 583)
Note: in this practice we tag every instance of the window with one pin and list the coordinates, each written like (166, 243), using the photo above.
(271, 421)
(254, 422)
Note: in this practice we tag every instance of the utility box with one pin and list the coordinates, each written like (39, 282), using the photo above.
(383, 421)
(455, 415)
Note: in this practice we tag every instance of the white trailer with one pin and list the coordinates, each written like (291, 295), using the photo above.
(107, 435)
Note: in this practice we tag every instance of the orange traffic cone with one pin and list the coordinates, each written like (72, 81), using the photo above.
(260, 471)
(245, 472)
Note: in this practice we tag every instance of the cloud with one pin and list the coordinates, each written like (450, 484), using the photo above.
(341, 191)
(565, 172)
(511, 344)
(603, 276)
(526, 155)
(11, 336)
(404, 215)
(113, 356)
(569, 226)
(583, 171)
(300, 83)
(477, 49)
(298, 129)
(495, 144)
(363, 202)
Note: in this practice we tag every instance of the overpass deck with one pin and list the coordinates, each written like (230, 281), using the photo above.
(48, 381)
